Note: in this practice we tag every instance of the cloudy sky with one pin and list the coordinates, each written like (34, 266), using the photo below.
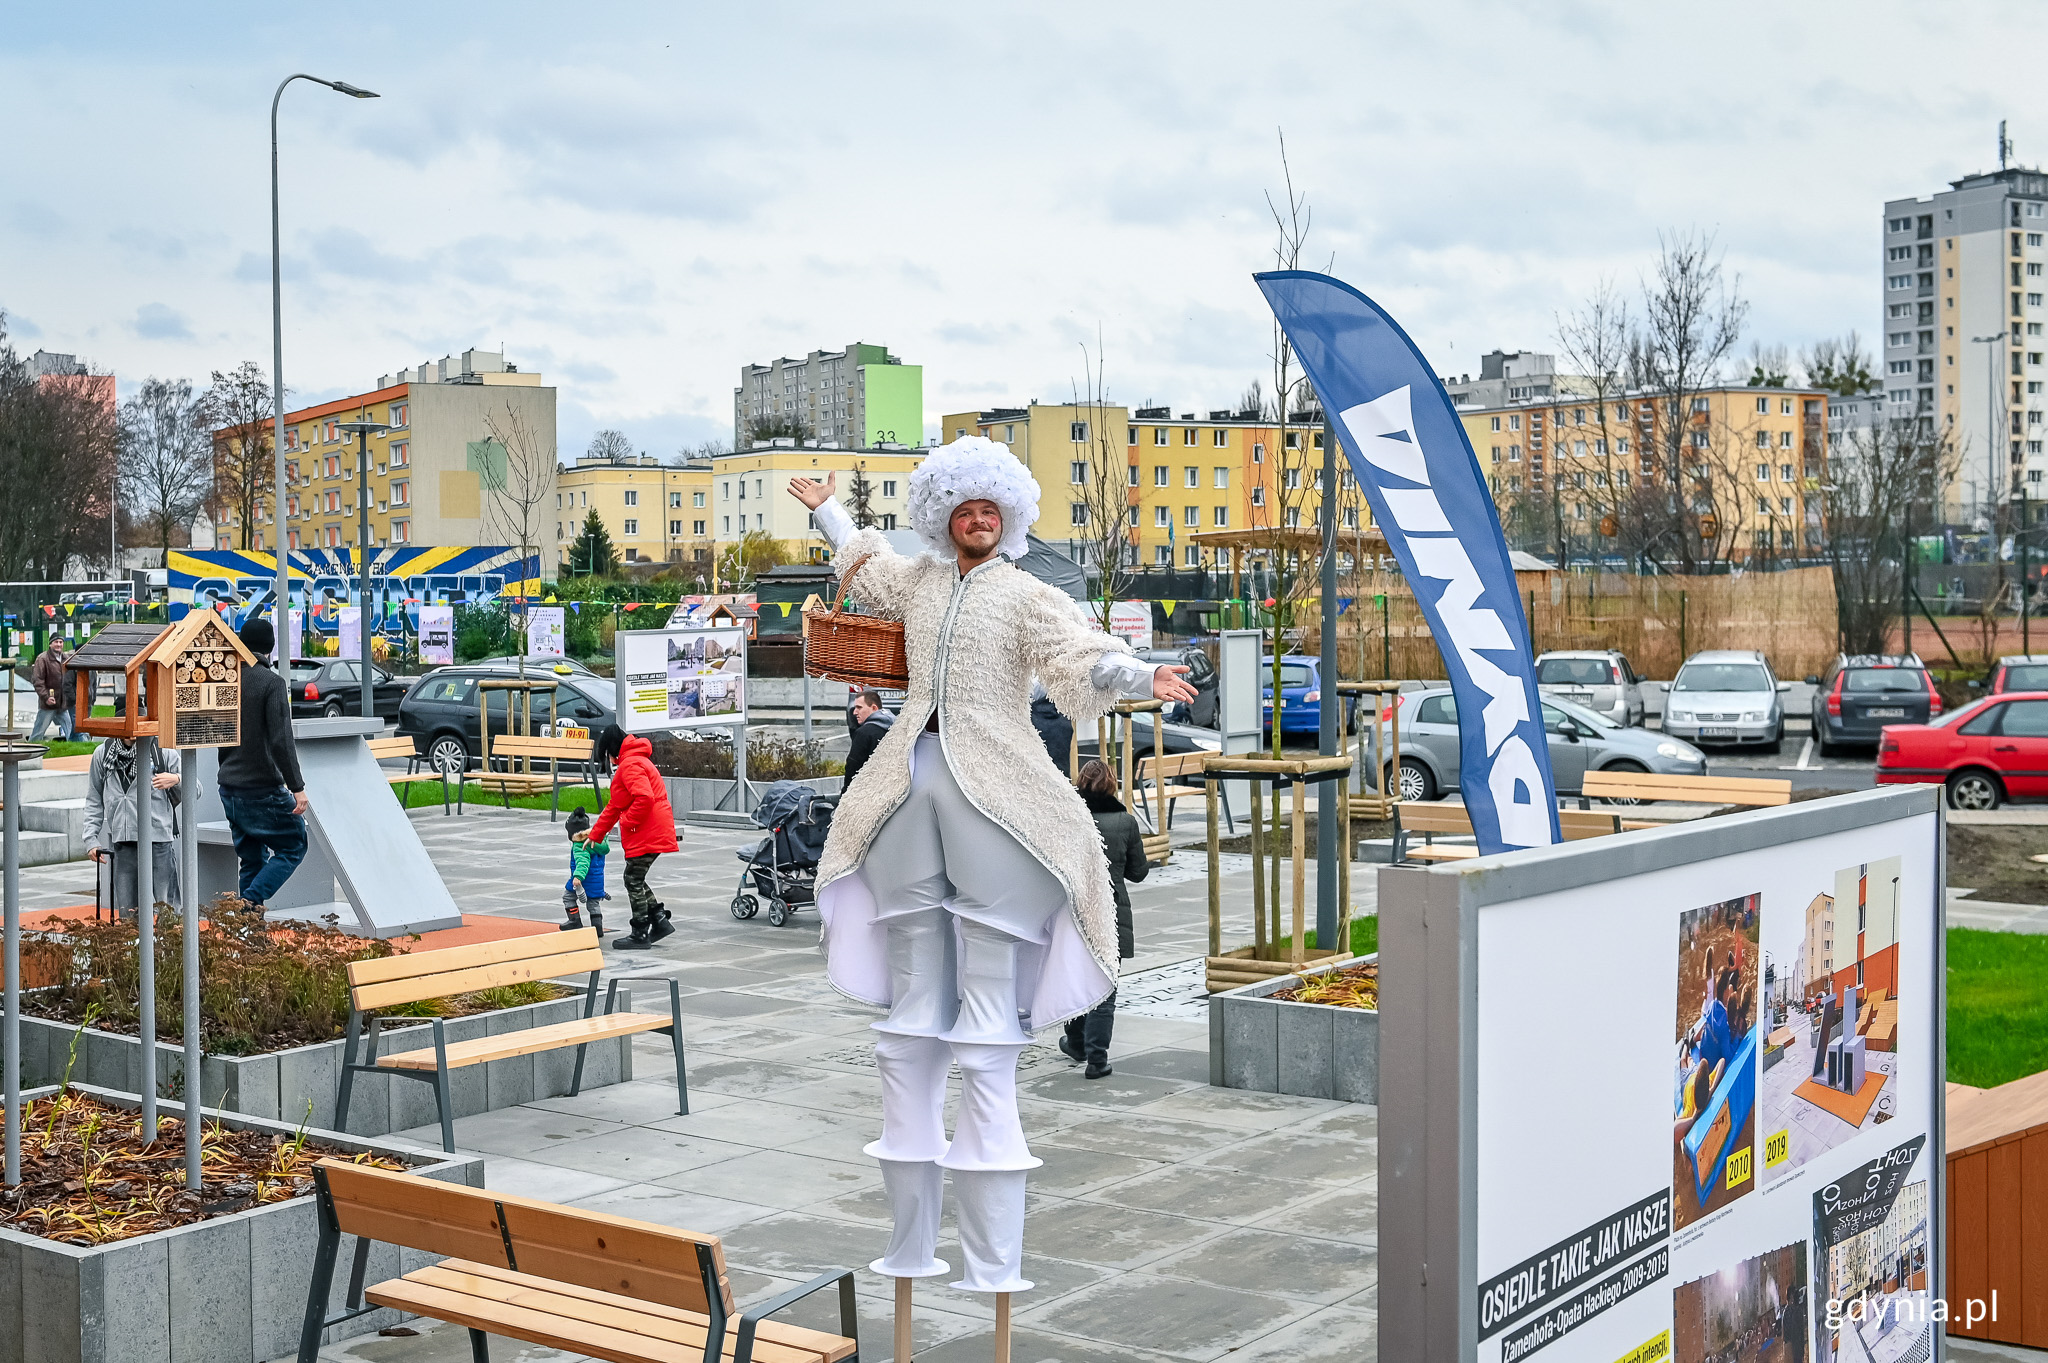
(636, 200)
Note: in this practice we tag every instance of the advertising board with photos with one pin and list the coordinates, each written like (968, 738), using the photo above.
(1705, 1104)
(681, 678)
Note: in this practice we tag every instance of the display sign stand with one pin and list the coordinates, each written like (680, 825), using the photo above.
(1547, 1191)
(1240, 701)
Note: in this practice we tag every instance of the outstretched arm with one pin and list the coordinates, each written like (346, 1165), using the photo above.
(881, 575)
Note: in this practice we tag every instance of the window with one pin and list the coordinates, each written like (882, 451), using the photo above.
(725, 492)
(400, 412)
(757, 522)
(1763, 440)
(632, 497)
(2033, 300)
(1132, 519)
(1159, 435)
(697, 529)
(401, 532)
(631, 525)
(1134, 436)
(1515, 421)
(1784, 473)
(1222, 477)
(1161, 517)
(1784, 440)
(401, 493)
(1514, 454)
(1187, 436)
(1699, 439)
(1009, 435)
(1899, 253)
(889, 521)
(1191, 517)
(1496, 423)
(1159, 475)
(1496, 454)
(1292, 478)
(888, 487)
(1291, 518)
(1077, 472)
(675, 500)
(1220, 437)
(1784, 506)
(1259, 452)
(401, 454)
(1077, 513)
(1222, 521)
(1259, 495)
(725, 524)
(1763, 473)
(1192, 556)
(1162, 555)
(1900, 367)
(696, 499)
(1133, 470)
(1077, 431)
(1898, 281)
(1763, 406)
(1579, 448)
(1898, 225)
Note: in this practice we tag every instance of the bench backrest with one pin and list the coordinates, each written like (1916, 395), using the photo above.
(1177, 764)
(393, 747)
(411, 976)
(562, 1244)
(1576, 824)
(1435, 818)
(563, 749)
(1712, 790)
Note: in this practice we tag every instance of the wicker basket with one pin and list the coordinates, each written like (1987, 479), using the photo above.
(860, 650)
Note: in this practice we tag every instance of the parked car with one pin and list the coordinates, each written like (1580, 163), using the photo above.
(1201, 674)
(1301, 694)
(1861, 693)
(560, 666)
(1581, 740)
(2020, 672)
(328, 688)
(1727, 695)
(441, 716)
(1601, 680)
(1985, 753)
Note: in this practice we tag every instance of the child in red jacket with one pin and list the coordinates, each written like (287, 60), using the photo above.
(639, 809)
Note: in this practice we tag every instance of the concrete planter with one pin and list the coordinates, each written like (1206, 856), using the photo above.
(229, 1290)
(280, 1086)
(1309, 1049)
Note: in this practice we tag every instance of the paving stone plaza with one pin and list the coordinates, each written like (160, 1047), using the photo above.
(1171, 1220)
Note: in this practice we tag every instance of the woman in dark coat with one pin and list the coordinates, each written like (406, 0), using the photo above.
(1087, 1036)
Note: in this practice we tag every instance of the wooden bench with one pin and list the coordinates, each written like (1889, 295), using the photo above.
(384, 749)
(583, 1282)
(1444, 819)
(553, 751)
(1624, 787)
(411, 977)
(1152, 771)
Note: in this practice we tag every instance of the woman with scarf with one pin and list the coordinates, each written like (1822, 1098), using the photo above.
(110, 829)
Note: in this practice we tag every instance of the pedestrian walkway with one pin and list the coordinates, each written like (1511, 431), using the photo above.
(1171, 1220)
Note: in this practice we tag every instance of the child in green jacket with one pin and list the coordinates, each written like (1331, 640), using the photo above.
(586, 875)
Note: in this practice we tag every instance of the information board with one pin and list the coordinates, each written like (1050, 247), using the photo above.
(1700, 1092)
(681, 678)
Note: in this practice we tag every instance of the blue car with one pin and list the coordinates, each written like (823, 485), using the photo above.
(1300, 694)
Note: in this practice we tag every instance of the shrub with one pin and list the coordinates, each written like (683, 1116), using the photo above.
(769, 758)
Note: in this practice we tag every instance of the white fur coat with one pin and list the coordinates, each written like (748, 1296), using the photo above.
(1007, 628)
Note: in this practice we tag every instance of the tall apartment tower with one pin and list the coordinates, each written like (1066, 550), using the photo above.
(859, 397)
(1963, 325)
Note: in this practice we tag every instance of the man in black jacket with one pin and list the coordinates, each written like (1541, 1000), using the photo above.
(260, 786)
(870, 722)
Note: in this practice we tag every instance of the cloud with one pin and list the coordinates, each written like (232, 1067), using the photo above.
(155, 322)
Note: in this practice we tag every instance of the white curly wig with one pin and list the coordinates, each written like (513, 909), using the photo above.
(972, 468)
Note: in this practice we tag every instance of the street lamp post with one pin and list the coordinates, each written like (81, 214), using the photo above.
(366, 697)
(284, 584)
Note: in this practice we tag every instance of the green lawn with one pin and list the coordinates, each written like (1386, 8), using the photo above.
(428, 793)
(1997, 1006)
(1365, 937)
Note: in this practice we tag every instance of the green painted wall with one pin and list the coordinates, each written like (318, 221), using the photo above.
(895, 403)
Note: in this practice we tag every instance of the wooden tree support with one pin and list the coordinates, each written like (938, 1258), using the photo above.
(1260, 961)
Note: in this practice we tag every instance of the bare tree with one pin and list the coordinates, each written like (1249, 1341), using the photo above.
(166, 459)
(1594, 341)
(699, 452)
(610, 445)
(517, 475)
(781, 426)
(1770, 366)
(1876, 477)
(1107, 484)
(237, 406)
(1840, 365)
(57, 452)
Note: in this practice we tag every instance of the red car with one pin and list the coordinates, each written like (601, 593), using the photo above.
(1985, 753)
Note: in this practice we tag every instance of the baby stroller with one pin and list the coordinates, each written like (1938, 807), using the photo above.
(783, 867)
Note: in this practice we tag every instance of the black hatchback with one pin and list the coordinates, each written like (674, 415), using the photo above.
(441, 717)
(328, 688)
(1861, 693)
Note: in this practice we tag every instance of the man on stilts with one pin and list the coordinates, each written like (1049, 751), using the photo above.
(963, 886)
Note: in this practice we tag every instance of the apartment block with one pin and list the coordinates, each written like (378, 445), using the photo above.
(1964, 312)
(436, 476)
(858, 396)
(749, 489)
(654, 512)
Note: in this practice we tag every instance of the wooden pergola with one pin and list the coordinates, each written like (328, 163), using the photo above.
(1291, 540)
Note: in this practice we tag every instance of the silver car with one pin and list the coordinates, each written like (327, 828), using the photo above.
(1727, 695)
(1580, 741)
(1599, 679)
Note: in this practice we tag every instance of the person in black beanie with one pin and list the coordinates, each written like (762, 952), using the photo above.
(261, 789)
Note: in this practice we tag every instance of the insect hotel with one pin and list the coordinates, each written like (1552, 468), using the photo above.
(180, 685)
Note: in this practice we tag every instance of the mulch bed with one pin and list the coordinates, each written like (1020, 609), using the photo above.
(1995, 861)
(87, 1178)
(1356, 986)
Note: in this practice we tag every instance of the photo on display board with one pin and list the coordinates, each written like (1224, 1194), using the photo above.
(703, 676)
(1831, 1036)
(1755, 1312)
(1714, 1072)
(1871, 1284)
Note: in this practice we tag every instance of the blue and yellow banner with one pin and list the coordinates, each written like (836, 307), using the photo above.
(403, 578)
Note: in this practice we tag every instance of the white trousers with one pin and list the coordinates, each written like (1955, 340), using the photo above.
(957, 897)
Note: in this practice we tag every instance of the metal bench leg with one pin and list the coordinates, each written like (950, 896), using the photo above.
(348, 1070)
(675, 1033)
(444, 1098)
(324, 1255)
(479, 1346)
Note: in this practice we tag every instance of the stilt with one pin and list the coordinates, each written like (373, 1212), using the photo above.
(903, 1320)
(1002, 1327)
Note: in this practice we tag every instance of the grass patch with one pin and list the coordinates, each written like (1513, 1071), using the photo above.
(426, 794)
(1365, 937)
(1997, 1006)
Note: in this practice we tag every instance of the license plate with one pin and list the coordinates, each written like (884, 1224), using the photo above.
(1724, 731)
(1894, 712)
(1578, 697)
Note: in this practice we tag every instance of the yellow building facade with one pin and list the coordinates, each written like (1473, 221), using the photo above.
(654, 512)
(748, 490)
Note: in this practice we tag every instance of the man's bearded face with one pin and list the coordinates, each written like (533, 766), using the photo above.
(976, 527)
